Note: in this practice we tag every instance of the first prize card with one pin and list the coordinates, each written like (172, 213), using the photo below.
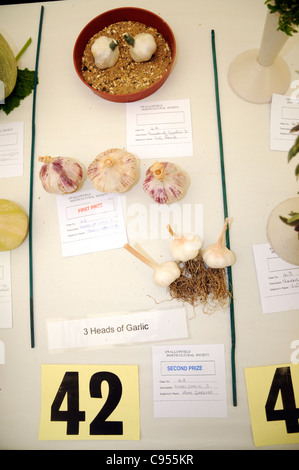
(90, 402)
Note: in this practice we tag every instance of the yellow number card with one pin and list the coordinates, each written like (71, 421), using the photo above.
(89, 402)
(273, 396)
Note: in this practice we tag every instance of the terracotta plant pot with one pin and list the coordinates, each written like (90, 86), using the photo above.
(114, 16)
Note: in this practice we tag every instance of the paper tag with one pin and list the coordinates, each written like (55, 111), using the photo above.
(152, 325)
(11, 149)
(90, 221)
(189, 381)
(160, 129)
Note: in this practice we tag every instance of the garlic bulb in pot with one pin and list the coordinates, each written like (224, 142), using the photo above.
(218, 255)
(105, 52)
(60, 175)
(113, 171)
(165, 182)
(186, 247)
(142, 46)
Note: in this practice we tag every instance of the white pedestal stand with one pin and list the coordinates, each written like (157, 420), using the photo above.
(256, 74)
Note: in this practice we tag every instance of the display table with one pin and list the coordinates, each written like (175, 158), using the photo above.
(72, 121)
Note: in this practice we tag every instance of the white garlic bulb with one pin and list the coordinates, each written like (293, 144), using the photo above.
(218, 255)
(142, 46)
(60, 175)
(113, 171)
(166, 273)
(163, 274)
(186, 247)
(165, 182)
(105, 52)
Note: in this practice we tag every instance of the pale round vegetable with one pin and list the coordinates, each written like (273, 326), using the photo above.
(8, 69)
(60, 175)
(217, 255)
(186, 247)
(105, 52)
(165, 182)
(113, 171)
(142, 46)
(13, 225)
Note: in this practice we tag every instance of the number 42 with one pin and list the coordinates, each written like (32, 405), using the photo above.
(69, 388)
(282, 381)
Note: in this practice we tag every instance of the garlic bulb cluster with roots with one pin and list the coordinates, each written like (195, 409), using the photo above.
(185, 247)
(163, 274)
(113, 171)
(218, 255)
(165, 182)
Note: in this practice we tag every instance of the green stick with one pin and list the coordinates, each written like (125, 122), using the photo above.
(31, 181)
(23, 49)
(229, 271)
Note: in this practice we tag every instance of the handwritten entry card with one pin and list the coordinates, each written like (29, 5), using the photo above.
(284, 116)
(90, 221)
(278, 280)
(157, 129)
(11, 149)
(189, 381)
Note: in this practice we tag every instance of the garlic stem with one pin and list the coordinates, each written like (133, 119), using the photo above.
(172, 233)
(129, 39)
(138, 255)
(158, 171)
(46, 159)
(220, 241)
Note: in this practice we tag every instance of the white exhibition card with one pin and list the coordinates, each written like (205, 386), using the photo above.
(159, 129)
(90, 221)
(189, 381)
(144, 326)
(11, 149)
(5, 290)
(284, 116)
(278, 280)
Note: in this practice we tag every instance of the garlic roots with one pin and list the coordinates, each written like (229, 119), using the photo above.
(186, 247)
(60, 175)
(113, 171)
(142, 46)
(165, 182)
(218, 255)
(163, 274)
(105, 52)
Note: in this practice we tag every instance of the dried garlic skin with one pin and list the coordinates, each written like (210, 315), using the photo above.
(113, 171)
(165, 182)
(60, 175)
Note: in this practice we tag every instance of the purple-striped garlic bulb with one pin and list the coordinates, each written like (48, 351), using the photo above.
(165, 182)
(60, 175)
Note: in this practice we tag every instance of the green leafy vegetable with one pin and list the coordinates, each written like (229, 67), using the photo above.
(288, 14)
(24, 86)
